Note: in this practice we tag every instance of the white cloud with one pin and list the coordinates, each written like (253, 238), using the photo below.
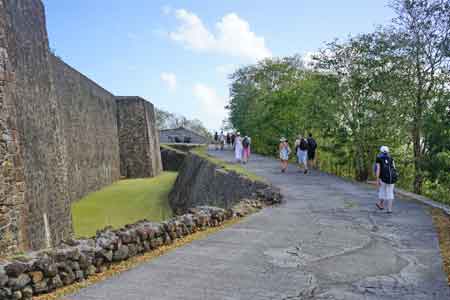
(170, 80)
(212, 105)
(232, 36)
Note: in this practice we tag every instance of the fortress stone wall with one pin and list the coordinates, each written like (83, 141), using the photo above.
(138, 137)
(58, 133)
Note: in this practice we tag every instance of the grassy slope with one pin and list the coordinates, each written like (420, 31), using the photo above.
(123, 202)
(202, 152)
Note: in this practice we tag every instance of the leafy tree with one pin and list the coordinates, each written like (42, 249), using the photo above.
(421, 43)
(389, 87)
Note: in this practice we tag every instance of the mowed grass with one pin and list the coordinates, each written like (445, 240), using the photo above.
(123, 202)
(235, 167)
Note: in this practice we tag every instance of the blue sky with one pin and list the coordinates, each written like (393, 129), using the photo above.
(177, 54)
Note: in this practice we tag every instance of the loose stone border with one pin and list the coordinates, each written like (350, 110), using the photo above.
(76, 261)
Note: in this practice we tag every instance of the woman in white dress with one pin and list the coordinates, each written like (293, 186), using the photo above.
(238, 148)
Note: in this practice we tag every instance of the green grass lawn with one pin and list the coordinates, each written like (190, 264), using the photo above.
(238, 168)
(123, 202)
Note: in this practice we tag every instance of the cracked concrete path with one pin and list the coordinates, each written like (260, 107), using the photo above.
(328, 241)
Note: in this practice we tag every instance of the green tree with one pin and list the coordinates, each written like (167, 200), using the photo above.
(421, 43)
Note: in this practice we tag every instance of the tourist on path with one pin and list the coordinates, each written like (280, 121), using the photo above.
(216, 140)
(221, 140)
(228, 140)
(246, 148)
(285, 151)
(233, 139)
(312, 146)
(238, 148)
(386, 177)
(301, 150)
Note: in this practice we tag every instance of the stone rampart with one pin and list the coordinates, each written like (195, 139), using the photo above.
(58, 133)
(87, 113)
(139, 140)
(201, 182)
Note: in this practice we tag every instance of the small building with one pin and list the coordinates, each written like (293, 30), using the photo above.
(181, 135)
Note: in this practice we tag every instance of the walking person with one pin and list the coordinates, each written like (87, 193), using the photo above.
(301, 150)
(222, 140)
(216, 140)
(285, 151)
(312, 146)
(386, 177)
(246, 148)
(238, 148)
(233, 139)
(228, 140)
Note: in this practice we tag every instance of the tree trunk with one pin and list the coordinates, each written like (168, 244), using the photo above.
(418, 174)
(361, 169)
(416, 137)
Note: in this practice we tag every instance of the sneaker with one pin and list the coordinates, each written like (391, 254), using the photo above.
(379, 206)
(306, 172)
(389, 212)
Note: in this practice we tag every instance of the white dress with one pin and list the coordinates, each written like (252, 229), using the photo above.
(238, 148)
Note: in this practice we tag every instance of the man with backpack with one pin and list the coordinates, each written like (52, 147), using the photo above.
(312, 146)
(246, 149)
(386, 178)
(301, 149)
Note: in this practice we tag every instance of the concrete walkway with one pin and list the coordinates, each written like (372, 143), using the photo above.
(328, 241)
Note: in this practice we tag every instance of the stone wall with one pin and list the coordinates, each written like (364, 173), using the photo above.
(139, 141)
(201, 182)
(89, 126)
(172, 159)
(11, 169)
(58, 133)
(46, 215)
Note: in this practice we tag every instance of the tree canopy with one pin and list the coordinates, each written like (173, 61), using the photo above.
(387, 87)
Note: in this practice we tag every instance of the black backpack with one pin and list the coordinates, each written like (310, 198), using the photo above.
(303, 145)
(312, 144)
(388, 173)
(245, 143)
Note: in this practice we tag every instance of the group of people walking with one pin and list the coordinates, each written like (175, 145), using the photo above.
(384, 168)
(305, 153)
(234, 140)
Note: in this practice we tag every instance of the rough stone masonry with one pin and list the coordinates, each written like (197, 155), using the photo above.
(59, 136)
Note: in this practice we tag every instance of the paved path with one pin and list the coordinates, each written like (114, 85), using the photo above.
(328, 241)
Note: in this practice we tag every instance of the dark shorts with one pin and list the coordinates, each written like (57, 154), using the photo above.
(311, 155)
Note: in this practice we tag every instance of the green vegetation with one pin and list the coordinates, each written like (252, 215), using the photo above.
(388, 87)
(202, 152)
(124, 202)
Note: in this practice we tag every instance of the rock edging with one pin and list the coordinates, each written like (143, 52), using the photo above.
(74, 261)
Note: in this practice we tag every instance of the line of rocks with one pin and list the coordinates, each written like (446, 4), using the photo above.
(45, 271)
